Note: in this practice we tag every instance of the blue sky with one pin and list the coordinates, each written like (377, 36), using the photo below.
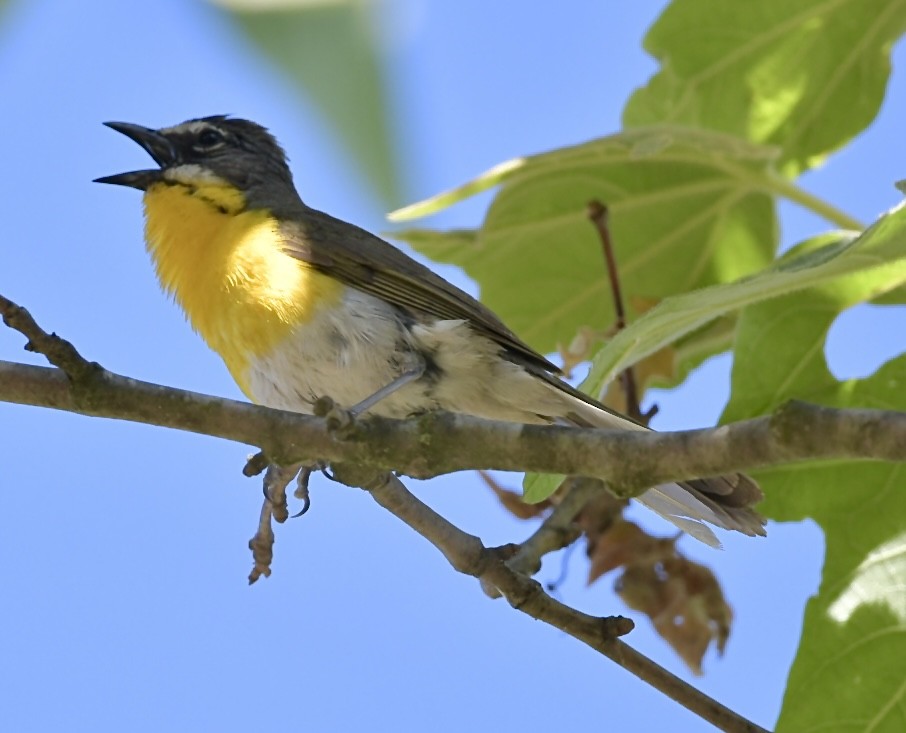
(125, 602)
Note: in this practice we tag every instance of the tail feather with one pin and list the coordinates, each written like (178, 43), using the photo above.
(654, 500)
(724, 501)
(689, 504)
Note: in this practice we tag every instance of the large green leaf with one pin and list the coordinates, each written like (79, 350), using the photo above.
(877, 256)
(688, 208)
(804, 75)
(824, 258)
(849, 671)
(329, 49)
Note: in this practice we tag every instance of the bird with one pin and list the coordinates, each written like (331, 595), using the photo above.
(301, 305)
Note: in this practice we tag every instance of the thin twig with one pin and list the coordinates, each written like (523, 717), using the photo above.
(553, 586)
(56, 350)
(558, 530)
(599, 216)
(262, 544)
(467, 555)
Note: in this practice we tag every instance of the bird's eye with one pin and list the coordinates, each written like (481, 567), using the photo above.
(210, 138)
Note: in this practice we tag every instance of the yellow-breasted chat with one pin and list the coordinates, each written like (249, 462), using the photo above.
(301, 305)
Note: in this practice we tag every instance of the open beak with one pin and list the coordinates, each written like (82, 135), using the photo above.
(155, 144)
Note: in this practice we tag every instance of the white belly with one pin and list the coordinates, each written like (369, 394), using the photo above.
(347, 354)
(350, 353)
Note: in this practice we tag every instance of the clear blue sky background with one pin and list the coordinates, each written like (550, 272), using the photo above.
(124, 602)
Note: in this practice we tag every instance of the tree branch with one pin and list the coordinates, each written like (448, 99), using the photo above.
(468, 555)
(558, 530)
(440, 443)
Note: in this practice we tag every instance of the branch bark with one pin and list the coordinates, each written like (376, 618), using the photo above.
(558, 530)
(440, 443)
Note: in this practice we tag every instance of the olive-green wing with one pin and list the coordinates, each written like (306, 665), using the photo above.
(368, 263)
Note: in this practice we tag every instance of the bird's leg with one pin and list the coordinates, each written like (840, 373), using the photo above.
(412, 373)
(277, 478)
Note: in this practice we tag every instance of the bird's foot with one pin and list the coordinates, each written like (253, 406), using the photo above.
(340, 421)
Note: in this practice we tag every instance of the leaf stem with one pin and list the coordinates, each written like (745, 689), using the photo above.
(824, 209)
(599, 215)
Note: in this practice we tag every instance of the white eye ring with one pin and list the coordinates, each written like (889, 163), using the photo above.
(209, 138)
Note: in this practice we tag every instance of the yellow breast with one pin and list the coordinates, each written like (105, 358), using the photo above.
(225, 267)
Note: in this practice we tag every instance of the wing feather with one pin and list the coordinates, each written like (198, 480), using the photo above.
(368, 263)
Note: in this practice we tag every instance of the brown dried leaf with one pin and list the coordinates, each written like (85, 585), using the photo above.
(599, 515)
(682, 598)
(512, 500)
(624, 544)
(683, 601)
(702, 585)
(596, 520)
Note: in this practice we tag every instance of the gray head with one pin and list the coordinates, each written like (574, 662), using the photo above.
(211, 149)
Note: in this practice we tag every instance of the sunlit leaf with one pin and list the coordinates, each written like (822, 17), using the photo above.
(687, 209)
(829, 256)
(804, 75)
(848, 673)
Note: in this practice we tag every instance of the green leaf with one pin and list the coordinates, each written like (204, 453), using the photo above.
(804, 75)
(872, 264)
(822, 258)
(539, 486)
(330, 51)
(688, 208)
(493, 177)
(848, 673)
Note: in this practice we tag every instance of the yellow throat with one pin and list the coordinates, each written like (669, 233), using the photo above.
(225, 267)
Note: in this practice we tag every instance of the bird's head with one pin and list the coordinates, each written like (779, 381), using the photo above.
(210, 151)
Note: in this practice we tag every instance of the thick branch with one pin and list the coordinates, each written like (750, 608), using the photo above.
(439, 443)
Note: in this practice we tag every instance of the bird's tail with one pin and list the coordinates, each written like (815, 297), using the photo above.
(723, 501)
